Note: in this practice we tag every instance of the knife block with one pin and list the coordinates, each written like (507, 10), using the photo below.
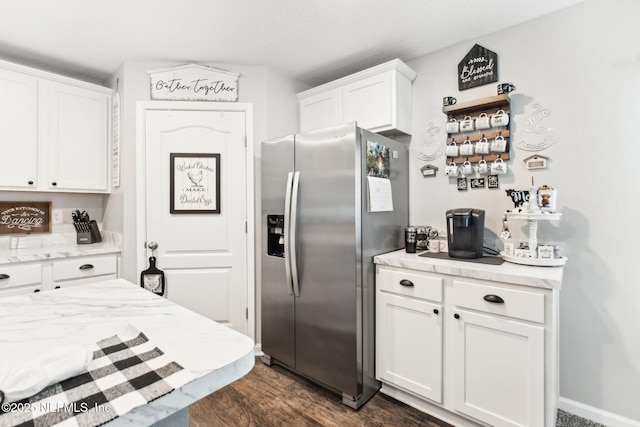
(87, 232)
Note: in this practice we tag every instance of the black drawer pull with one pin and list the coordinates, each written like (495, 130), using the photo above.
(457, 316)
(30, 182)
(405, 282)
(57, 287)
(4, 276)
(86, 266)
(494, 299)
(436, 311)
(36, 290)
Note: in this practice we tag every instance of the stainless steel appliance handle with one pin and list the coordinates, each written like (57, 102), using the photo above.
(292, 234)
(287, 218)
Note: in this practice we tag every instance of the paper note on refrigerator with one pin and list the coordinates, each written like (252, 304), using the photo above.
(379, 194)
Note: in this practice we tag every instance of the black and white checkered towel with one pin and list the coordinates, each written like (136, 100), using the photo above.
(127, 371)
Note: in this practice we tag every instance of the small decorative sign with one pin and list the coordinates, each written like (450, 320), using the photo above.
(428, 170)
(477, 182)
(25, 217)
(518, 197)
(462, 184)
(479, 67)
(493, 181)
(194, 83)
(194, 183)
(536, 161)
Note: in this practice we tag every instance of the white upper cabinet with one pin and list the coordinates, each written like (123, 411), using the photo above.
(378, 99)
(77, 132)
(54, 132)
(18, 130)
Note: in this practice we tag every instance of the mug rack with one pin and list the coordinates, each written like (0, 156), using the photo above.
(474, 109)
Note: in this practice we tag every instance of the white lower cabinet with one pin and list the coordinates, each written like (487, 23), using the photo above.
(21, 278)
(471, 352)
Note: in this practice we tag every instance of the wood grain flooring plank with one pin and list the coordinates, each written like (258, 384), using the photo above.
(274, 396)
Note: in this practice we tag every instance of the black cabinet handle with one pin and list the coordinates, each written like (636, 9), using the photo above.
(4, 276)
(494, 299)
(57, 287)
(54, 183)
(405, 282)
(435, 311)
(36, 290)
(30, 183)
(457, 316)
(86, 267)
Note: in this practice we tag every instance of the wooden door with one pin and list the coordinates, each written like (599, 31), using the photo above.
(498, 368)
(202, 247)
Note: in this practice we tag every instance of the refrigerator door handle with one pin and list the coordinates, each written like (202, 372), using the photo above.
(292, 234)
(287, 220)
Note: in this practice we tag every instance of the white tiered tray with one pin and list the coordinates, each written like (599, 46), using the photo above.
(532, 219)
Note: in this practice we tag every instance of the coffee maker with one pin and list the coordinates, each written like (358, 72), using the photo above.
(465, 232)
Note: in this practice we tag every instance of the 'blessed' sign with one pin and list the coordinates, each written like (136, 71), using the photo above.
(194, 83)
(478, 67)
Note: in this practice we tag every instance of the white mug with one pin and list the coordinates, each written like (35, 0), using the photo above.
(500, 119)
(466, 168)
(453, 126)
(482, 167)
(466, 149)
(451, 150)
(482, 146)
(466, 124)
(499, 144)
(435, 245)
(498, 167)
(451, 169)
(483, 121)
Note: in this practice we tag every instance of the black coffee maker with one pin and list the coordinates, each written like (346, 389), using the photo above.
(465, 232)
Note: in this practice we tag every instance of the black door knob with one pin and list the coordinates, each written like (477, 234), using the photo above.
(435, 311)
(30, 183)
(457, 316)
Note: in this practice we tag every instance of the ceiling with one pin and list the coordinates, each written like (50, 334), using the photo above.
(313, 41)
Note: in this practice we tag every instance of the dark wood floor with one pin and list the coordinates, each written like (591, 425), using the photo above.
(273, 396)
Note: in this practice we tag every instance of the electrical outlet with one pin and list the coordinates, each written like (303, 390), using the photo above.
(56, 216)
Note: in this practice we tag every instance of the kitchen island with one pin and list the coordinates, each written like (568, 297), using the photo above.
(216, 355)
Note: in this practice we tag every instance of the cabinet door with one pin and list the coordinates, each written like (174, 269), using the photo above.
(77, 134)
(320, 111)
(410, 344)
(369, 102)
(498, 369)
(18, 131)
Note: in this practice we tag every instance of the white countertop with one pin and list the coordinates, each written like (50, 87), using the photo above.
(59, 245)
(540, 277)
(36, 322)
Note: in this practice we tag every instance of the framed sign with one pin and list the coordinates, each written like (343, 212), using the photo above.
(25, 217)
(193, 82)
(194, 183)
(479, 67)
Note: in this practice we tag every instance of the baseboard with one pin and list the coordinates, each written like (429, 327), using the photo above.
(257, 349)
(609, 419)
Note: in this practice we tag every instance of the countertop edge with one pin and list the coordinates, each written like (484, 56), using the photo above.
(538, 277)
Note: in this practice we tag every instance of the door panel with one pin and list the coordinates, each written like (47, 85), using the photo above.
(328, 257)
(204, 255)
(277, 299)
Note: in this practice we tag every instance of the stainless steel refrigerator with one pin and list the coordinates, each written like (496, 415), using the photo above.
(322, 225)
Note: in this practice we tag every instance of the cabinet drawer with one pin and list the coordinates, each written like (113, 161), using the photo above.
(410, 283)
(84, 267)
(518, 304)
(20, 275)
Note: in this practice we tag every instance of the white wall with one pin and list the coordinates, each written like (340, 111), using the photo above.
(583, 64)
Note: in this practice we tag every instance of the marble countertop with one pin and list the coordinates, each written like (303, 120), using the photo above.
(540, 277)
(82, 315)
(61, 245)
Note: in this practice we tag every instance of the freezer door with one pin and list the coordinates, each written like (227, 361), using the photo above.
(328, 255)
(277, 299)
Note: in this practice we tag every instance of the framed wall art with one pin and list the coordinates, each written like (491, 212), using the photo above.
(25, 217)
(194, 184)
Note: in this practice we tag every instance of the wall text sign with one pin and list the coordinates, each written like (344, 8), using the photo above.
(194, 83)
(479, 67)
(25, 217)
